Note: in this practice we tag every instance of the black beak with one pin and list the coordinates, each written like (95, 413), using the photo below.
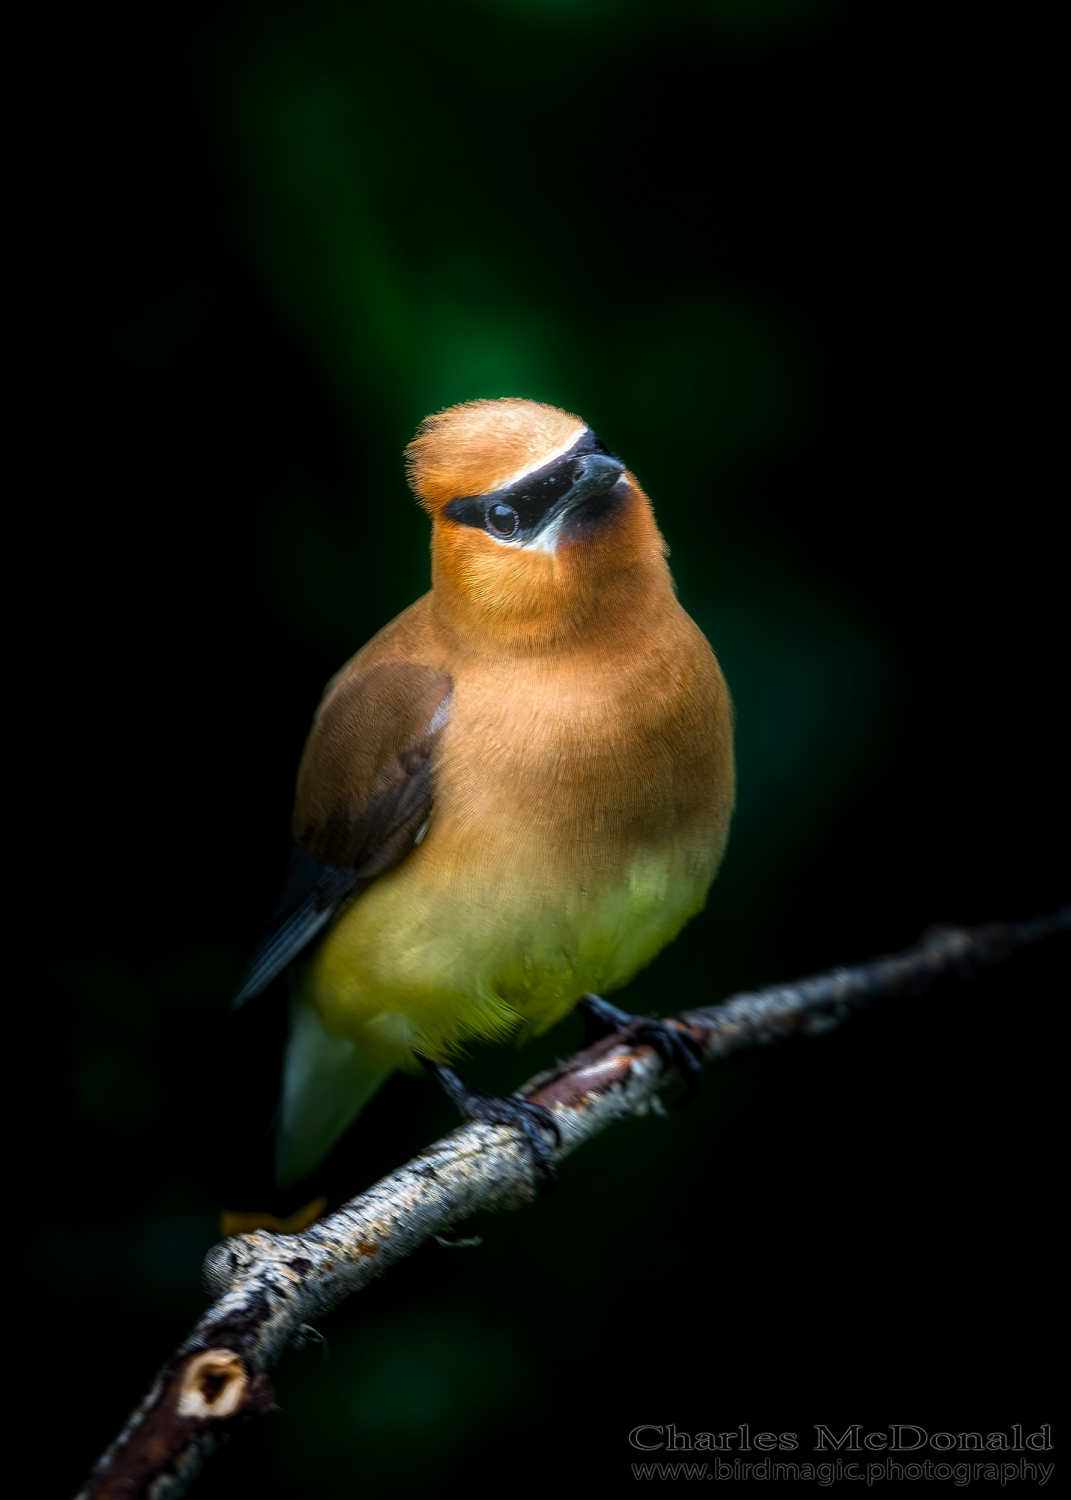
(596, 473)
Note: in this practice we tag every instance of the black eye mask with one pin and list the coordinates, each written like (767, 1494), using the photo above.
(579, 481)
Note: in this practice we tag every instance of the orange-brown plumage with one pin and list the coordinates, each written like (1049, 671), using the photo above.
(576, 730)
(473, 448)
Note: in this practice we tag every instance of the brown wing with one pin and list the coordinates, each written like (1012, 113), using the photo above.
(364, 793)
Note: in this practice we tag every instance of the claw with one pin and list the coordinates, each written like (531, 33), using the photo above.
(530, 1119)
(601, 1018)
(676, 1047)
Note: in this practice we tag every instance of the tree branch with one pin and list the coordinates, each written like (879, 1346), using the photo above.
(268, 1286)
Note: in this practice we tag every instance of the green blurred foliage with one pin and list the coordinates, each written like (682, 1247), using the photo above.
(439, 202)
(409, 186)
(424, 264)
(408, 1393)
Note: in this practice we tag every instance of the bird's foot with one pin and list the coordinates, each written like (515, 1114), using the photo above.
(530, 1119)
(676, 1047)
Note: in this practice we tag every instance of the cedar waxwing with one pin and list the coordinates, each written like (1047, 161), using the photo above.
(511, 798)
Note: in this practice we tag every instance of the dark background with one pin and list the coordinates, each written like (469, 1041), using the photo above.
(792, 261)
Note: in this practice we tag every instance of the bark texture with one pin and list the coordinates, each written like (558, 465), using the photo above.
(269, 1286)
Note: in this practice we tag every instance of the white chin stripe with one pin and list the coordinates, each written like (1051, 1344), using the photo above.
(547, 539)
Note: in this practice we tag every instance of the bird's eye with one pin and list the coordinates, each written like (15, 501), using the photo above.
(503, 519)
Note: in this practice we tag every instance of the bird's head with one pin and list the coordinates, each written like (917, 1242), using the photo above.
(538, 530)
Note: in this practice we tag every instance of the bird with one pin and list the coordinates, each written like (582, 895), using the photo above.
(511, 798)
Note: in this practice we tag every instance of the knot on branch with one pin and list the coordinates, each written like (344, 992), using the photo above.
(178, 1425)
(213, 1385)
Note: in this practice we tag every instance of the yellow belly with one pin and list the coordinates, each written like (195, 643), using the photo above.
(427, 960)
(581, 807)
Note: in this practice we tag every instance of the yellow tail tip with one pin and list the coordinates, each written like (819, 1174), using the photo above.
(231, 1222)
